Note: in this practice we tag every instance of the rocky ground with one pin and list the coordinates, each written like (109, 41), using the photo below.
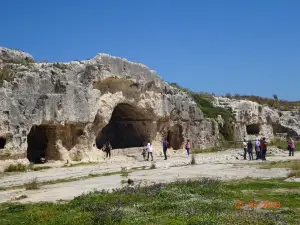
(68, 182)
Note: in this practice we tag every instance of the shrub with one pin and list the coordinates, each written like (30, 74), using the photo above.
(32, 184)
(7, 74)
(16, 168)
(60, 66)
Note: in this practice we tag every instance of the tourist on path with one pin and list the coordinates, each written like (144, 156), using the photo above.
(250, 149)
(165, 148)
(188, 147)
(257, 149)
(245, 148)
(150, 150)
(107, 149)
(263, 145)
(291, 147)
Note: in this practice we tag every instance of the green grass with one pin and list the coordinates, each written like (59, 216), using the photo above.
(294, 165)
(204, 201)
(23, 168)
(283, 144)
(16, 168)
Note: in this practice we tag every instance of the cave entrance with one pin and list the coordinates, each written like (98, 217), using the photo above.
(37, 143)
(128, 127)
(175, 137)
(253, 129)
(2, 142)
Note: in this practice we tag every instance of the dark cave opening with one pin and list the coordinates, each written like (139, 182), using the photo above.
(253, 129)
(175, 137)
(128, 127)
(37, 143)
(2, 142)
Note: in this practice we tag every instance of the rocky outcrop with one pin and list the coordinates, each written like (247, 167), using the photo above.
(14, 56)
(253, 119)
(62, 110)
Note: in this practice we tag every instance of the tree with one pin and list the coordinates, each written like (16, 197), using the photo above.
(275, 97)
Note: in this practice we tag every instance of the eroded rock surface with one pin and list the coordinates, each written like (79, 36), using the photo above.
(253, 119)
(57, 110)
(66, 111)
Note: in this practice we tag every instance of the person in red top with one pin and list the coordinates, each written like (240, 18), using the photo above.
(188, 147)
(263, 145)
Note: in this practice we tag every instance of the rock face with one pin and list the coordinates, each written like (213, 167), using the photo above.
(253, 119)
(61, 111)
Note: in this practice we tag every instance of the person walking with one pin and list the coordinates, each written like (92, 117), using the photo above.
(245, 148)
(291, 147)
(263, 145)
(165, 148)
(150, 150)
(188, 147)
(250, 149)
(107, 149)
(257, 149)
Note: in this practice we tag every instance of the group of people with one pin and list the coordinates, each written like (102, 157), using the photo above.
(165, 145)
(261, 148)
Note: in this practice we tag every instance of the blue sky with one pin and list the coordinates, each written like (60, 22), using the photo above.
(216, 46)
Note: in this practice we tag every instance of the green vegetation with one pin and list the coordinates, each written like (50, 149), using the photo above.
(204, 103)
(204, 201)
(22, 168)
(294, 165)
(60, 66)
(283, 144)
(272, 102)
(32, 184)
(6, 73)
(16, 168)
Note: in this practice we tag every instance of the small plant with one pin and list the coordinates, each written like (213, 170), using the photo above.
(60, 66)
(16, 168)
(193, 160)
(32, 184)
(153, 166)
(6, 74)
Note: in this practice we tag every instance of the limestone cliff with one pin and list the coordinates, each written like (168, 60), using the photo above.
(253, 119)
(54, 110)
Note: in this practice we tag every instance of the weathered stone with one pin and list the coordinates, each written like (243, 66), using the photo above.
(268, 121)
(73, 103)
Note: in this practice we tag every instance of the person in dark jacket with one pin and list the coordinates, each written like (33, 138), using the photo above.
(165, 148)
(250, 149)
(107, 148)
(263, 146)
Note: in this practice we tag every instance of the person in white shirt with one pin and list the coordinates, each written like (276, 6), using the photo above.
(257, 149)
(245, 148)
(150, 150)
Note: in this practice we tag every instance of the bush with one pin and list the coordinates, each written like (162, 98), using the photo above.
(60, 66)
(7, 74)
(16, 168)
(32, 184)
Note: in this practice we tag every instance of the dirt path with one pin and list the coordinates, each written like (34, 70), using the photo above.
(221, 165)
